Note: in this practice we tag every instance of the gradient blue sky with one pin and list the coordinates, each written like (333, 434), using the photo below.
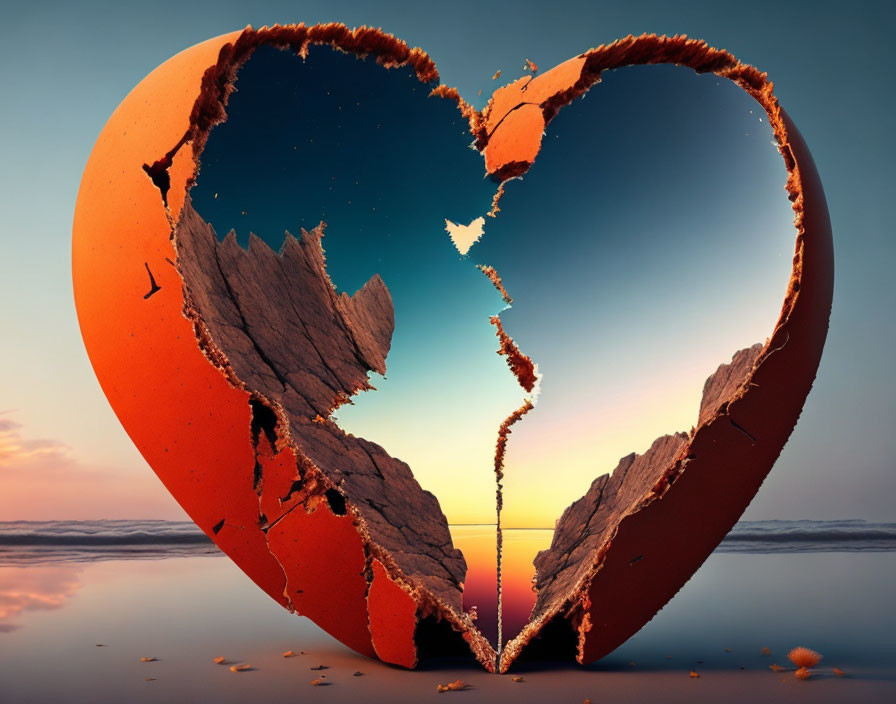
(64, 68)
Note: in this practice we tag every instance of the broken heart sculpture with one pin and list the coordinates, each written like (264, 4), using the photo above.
(228, 391)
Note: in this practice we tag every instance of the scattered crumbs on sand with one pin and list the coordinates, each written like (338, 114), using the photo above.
(358, 674)
(321, 667)
(148, 659)
(517, 679)
(695, 674)
(774, 667)
(240, 668)
(802, 673)
(840, 673)
(220, 660)
(290, 654)
(456, 686)
(766, 651)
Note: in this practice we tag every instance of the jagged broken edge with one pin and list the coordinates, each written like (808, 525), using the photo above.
(208, 111)
(702, 58)
(526, 373)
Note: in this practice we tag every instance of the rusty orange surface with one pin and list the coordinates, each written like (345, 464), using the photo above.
(188, 423)
(393, 619)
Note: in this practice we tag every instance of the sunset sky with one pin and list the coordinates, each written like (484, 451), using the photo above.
(65, 68)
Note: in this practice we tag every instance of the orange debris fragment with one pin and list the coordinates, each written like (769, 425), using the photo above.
(455, 686)
(695, 673)
(804, 657)
(803, 673)
(240, 668)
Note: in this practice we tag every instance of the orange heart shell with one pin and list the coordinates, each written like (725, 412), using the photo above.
(192, 424)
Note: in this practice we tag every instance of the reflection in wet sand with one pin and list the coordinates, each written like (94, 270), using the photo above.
(187, 611)
(43, 587)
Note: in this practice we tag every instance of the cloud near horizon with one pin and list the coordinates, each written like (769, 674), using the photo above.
(42, 479)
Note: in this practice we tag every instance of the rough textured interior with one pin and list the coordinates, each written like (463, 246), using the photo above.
(289, 336)
(587, 525)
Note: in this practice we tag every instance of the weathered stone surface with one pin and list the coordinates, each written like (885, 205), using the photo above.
(720, 387)
(589, 522)
(289, 336)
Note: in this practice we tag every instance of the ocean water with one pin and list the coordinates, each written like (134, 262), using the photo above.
(23, 542)
(82, 602)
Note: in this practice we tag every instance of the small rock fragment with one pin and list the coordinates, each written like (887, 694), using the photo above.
(456, 686)
(148, 659)
(804, 657)
(517, 679)
(220, 660)
(240, 668)
(289, 654)
(150, 679)
(318, 683)
(358, 674)
(321, 667)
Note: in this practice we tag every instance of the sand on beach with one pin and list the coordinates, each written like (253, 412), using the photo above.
(185, 611)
